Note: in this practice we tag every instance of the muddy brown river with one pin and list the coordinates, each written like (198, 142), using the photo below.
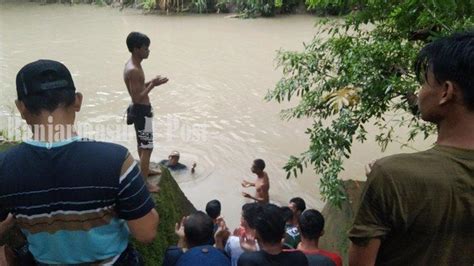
(212, 109)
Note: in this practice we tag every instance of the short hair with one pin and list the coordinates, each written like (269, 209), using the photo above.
(269, 224)
(249, 213)
(299, 203)
(198, 229)
(287, 213)
(450, 58)
(137, 40)
(259, 164)
(213, 209)
(311, 224)
(49, 100)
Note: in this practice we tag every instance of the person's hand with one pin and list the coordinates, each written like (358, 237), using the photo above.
(248, 243)
(246, 195)
(179, 228)
(222, 233)
(193, 169)
(368, 167)
(246, 183)
(158, 80)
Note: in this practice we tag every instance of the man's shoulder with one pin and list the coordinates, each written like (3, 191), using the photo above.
(100, 146)
(294, 254)
(203, 255)
(404, 163)
(330, 255)
(252, 258)
(132, 70)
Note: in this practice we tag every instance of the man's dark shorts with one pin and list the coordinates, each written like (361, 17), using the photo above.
(141, 116)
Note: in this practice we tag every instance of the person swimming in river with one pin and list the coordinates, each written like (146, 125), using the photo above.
(173, 163)
(262, 184)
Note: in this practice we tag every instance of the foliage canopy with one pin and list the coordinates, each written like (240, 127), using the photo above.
(358, 71)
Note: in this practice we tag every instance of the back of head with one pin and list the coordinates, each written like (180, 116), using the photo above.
(198, 229)
(299, 203)
(45, 85)
(259, 164)
(270, 224)
(287, 213)
(450, 58)
(311, 224)
(249, 213)
(137, 40)
(213, 209)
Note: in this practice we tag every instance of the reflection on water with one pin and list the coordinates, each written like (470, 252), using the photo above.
(212, 109)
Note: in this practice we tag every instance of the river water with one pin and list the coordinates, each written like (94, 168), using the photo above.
(212, 109)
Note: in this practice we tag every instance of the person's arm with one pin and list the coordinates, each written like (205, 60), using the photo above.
(247, 195)
(6, 224)
(179, 231)
(246, 183)
(134, 203)
(364, 254)
(378, 212)
(221, 235)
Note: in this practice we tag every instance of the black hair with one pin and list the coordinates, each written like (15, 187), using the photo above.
(299, 203)
(269, 224)
(311, 224)
(249, 213)
(137, 40)
(287, 213)
(213, 209)
(48, 100)
(450, 58)
(259, 164)
(198, 229)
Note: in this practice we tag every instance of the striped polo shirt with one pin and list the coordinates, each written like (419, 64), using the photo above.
(70, 199)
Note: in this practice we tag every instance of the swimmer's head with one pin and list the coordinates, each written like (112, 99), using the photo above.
(173, 158)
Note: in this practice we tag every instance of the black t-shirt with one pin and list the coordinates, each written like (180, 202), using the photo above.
(261, 258)
(176, 167)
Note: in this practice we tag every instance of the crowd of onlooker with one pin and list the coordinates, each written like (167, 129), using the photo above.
(267, 235)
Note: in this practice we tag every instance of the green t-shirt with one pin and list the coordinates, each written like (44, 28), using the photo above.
(421, 206)
(292, 236)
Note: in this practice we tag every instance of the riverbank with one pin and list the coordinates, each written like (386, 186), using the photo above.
(235, 8)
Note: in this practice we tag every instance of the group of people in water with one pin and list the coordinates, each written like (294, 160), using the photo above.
(78, 201)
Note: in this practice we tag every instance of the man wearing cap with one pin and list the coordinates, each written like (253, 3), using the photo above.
(173, 162)
(76, 200)
(140, 112)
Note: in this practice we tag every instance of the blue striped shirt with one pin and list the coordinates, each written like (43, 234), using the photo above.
(70, 199)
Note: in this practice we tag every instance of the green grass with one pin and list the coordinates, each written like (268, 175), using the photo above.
(171, 204)
(6, 145)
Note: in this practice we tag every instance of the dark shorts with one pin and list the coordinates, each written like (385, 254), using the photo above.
(141, 116)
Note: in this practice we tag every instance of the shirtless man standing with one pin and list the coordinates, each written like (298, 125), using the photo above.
(262, 185)
(140, 112)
